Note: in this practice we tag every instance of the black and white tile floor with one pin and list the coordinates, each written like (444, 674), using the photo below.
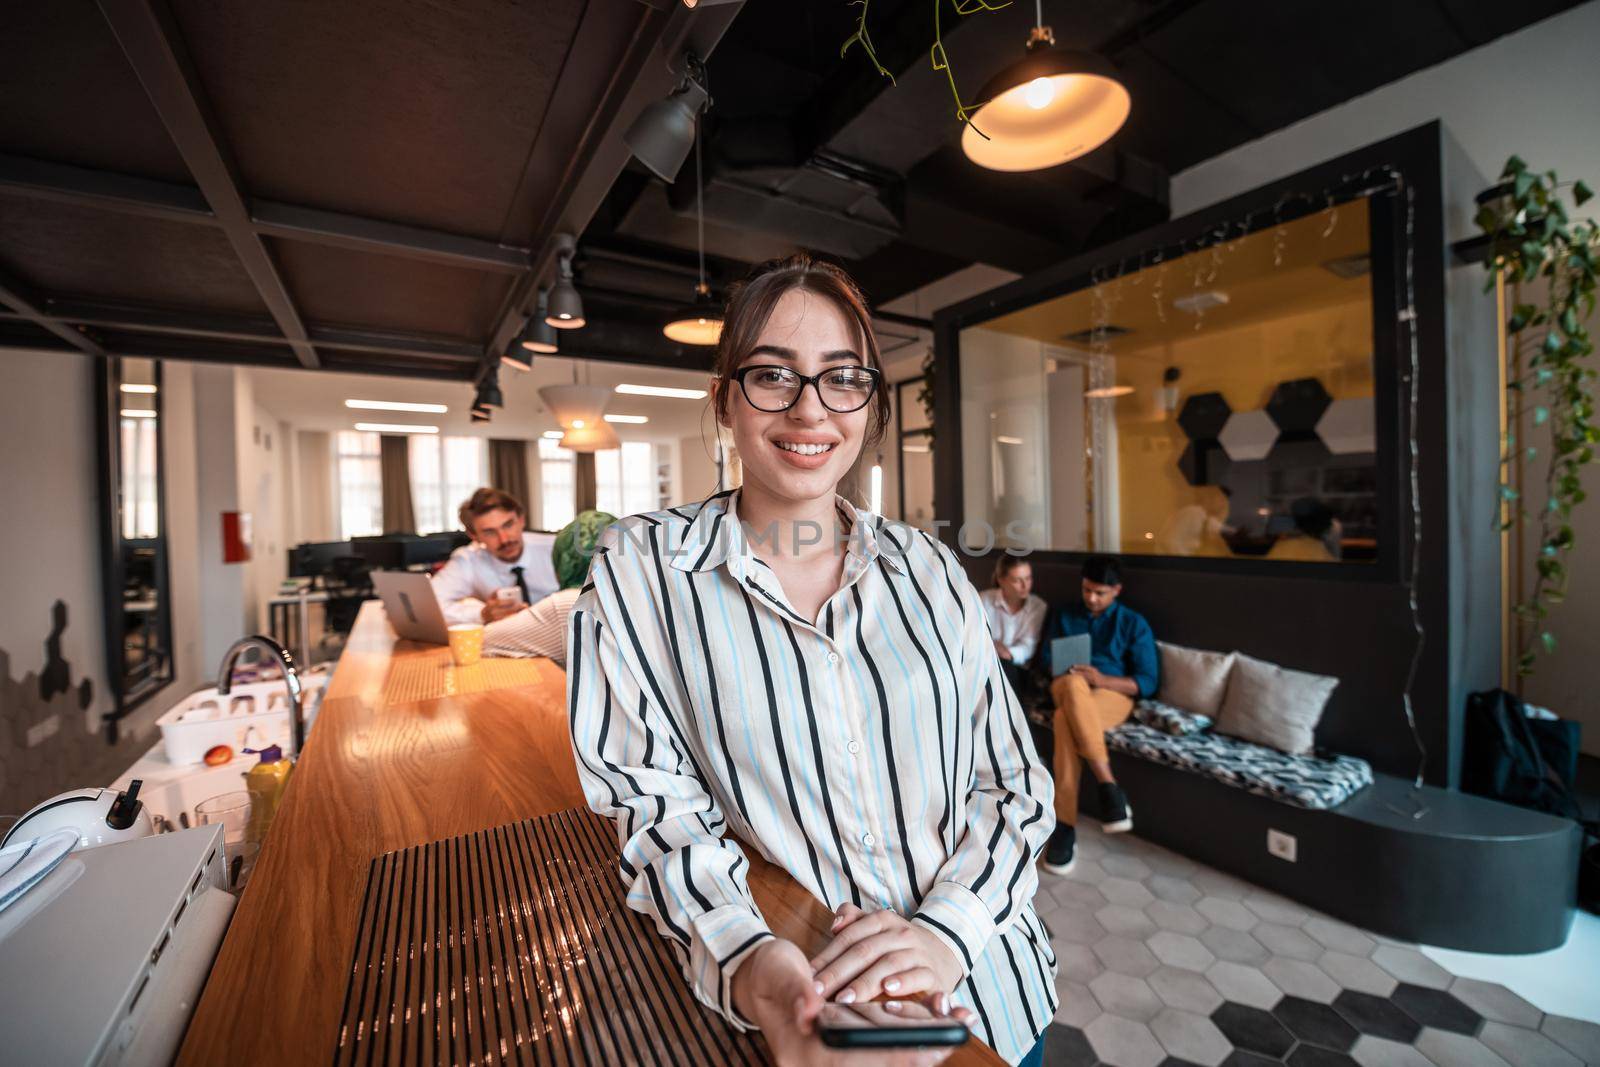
(1165, 962)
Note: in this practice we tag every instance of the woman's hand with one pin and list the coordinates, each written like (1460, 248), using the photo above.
(774, 989)
(1001, 650)
(879, 953)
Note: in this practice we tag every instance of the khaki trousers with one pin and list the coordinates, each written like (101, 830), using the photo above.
(1083, 715)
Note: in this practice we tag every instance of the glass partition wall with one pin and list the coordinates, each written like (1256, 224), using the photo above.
(1215, 404)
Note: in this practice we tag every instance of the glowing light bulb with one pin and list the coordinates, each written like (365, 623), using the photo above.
(577, 424)
(1039, 93)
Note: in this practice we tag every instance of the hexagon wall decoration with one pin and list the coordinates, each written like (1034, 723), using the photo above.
(1248, 435)
(1203, 416)
(1347, 426)
(1204, 463)
(1296, 406)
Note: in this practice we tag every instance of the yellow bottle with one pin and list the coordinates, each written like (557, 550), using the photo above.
(266, 782)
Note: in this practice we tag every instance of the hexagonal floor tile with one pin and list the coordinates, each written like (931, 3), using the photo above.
(1126, 956)
(1315, 1023)
(1252, 1029)
(1275, 909)
(1496, 1002)
(1233, 945)
(1179, 918)
(1124, 1042)
(1577, 1036)
(1180, 950)
(1437, 1009)
(1075, 926)
(1331, 933)
(1078, 1006)
(1377, 1016)
(1377, 1052)
(1229, 913)
(1193, 1037)
(1457, 1050)
(1131, 998)
(1185, 990)
(1123, 865)
(1071, 894)
(1088, 872)
(1409, 965)
(1526, 1048)
(1066, 1046)
(1317, 1056)
(1357, 972)
(1288, 941)
(1301, 979)
(1246, 985)
(1172, 888)
(1124, 920)
(1125, 891)
(1214, 883)
(1076, 962)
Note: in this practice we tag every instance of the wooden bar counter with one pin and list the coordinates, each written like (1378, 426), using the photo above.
(406, 749)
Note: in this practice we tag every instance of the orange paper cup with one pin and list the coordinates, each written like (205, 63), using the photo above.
(466, 643)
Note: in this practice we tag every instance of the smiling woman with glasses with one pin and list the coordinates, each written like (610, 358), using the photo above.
(777, 669)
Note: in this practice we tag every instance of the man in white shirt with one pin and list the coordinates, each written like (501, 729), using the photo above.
(1015, 615)
(502, 556)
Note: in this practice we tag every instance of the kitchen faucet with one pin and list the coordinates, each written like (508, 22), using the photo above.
(291, 680)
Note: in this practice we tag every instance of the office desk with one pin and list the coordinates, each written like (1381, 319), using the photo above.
(406, 750)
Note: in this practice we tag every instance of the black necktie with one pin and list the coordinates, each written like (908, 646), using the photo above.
(522, 586)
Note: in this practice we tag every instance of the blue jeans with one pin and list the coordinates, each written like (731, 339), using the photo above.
(1035, 1056)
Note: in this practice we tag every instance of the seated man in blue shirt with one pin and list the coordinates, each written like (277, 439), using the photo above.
(1092, 699)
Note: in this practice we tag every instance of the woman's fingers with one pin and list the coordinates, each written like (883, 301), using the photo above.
(861, 928)
(871, 981)
(911, 982)
(857, 958)
(847, 914)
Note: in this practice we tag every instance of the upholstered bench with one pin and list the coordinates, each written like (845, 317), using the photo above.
(1305, 781)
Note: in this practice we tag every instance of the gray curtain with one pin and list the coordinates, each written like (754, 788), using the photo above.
(583, 477)
(508, 467)
(394, 461)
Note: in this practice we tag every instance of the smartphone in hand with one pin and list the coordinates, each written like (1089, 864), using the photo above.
(871, 1025)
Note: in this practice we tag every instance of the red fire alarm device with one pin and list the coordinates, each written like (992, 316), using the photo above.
(236, 537)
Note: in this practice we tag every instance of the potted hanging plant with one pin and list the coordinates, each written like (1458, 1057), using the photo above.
(1548, 260)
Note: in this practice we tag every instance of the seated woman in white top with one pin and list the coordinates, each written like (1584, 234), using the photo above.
(1015, 615)
(776, 669)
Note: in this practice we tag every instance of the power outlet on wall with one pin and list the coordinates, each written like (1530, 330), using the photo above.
(1284, 846)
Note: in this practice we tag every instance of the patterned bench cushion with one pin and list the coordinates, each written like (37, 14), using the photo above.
(1306, 781)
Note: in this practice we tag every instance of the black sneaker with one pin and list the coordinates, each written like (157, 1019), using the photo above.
(1115, 815)
(1062, 851)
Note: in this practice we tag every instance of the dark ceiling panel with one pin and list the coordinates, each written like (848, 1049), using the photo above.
(66, 250)
(413, 112)
(68, 95)
(1172, 123)
(338, 286)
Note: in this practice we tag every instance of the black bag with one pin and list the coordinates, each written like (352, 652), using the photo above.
(1525, 762)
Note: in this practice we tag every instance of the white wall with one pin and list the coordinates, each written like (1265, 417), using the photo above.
(1536, 94)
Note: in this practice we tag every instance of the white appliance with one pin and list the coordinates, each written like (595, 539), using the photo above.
(98, 816)
(102, 962)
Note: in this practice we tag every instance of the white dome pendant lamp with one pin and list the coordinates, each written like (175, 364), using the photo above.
(1049, 108)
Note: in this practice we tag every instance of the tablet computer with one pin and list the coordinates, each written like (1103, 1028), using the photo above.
(1069, 652)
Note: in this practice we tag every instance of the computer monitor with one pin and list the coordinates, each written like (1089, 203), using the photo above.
(312, 559)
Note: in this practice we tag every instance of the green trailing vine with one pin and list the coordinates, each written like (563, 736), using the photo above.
(1533, 237)
(937, 55)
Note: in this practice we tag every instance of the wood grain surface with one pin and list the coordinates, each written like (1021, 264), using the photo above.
(377, 776)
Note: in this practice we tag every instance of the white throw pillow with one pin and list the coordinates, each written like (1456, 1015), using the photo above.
(1274, 706)
(1193, 679)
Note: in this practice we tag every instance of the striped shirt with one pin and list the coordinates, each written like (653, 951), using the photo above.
(877, 754)
(537, 630)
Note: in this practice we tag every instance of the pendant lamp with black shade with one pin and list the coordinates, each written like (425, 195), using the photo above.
(1050, 107)
(700, 321)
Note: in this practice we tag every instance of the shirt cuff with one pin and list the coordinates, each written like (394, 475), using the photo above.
(959, 918)
(728, 935)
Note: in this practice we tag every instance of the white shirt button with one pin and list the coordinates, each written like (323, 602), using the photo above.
(833, 658)
(853, 747)
(868, 840)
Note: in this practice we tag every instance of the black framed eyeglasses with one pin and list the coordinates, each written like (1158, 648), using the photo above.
(770, 387)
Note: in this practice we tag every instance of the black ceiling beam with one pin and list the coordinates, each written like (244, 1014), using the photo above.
(184, 203)
(29, 309)
(625, 341)
(154, 46)
(248, 328)
(205, 350)
(579, 151)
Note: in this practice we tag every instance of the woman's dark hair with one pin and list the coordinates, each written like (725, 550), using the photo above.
(1006, 564)
(750, 305)
(1103, 570)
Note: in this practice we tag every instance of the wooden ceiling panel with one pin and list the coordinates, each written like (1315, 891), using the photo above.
(68, 95)
(67, 250)
(338, 286)
(418, 113)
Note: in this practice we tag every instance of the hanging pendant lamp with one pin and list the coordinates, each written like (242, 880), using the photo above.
(700, 322)
(580, 410)
(1050, 107)
(539, 335)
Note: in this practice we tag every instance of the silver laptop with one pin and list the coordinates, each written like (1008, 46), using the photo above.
(1069, 652)
(413, 609)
